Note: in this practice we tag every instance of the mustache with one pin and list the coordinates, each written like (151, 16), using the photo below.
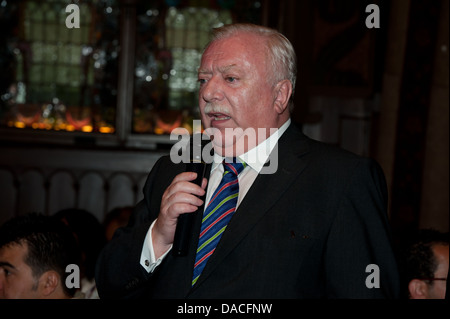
(216, 108)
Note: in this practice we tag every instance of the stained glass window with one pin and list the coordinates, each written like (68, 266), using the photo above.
(171, 36)
(60, 78)
(129, 70)
(169, 45)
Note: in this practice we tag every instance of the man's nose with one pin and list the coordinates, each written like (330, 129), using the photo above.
(212, 90)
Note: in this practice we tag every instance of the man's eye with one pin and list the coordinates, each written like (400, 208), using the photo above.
(230, 79)
(5, 271)
(202, 81)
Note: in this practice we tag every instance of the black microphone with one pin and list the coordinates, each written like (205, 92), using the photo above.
(184, 225)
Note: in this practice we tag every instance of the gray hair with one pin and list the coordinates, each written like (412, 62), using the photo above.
(281, 52)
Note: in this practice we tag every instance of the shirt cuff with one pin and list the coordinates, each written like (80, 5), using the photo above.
(148, 259)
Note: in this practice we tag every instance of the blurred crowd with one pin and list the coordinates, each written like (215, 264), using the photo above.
(36, 250)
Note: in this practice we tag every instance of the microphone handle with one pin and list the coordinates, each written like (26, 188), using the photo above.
(184, 225)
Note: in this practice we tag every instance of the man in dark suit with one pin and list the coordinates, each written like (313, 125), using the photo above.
(310, 220)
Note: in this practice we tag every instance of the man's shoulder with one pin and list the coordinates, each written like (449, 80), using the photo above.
(295, 136)
(327, 156)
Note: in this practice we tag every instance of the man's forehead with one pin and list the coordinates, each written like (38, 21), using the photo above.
(220, 68)
(13, 252)
(238, 45)
(240, 59)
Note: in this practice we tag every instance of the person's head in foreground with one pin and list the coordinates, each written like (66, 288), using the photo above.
(34, 253)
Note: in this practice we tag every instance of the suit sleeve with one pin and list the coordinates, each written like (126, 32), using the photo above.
(118, 272)
(360, 236)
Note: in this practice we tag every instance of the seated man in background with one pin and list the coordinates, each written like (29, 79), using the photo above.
(427, 265)
(34, 253)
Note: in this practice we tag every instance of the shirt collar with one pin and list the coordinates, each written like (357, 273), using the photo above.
(257, 156)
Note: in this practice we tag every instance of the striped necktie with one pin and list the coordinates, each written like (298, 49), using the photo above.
(217, 215)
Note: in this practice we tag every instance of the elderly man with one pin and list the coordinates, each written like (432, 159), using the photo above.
(310, 227)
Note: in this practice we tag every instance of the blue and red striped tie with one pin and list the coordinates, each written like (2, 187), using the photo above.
(217, 215)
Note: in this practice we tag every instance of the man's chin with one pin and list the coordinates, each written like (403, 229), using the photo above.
(232, 142)
(231, 148)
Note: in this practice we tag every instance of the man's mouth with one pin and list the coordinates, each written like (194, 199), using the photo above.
(219, 116)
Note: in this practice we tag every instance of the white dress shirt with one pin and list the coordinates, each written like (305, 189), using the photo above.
(255, 159)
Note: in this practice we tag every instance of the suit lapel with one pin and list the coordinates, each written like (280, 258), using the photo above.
(262, 196)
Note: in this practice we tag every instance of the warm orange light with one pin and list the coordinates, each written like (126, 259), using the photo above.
(86, 128)
(106, 129)
(159, 131)
(19, 124)
(60, 126)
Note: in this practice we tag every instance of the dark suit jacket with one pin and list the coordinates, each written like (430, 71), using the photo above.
(307, 231)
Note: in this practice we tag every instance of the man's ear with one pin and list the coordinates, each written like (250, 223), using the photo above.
(418, 289)
(283, 91)
(48, 282)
